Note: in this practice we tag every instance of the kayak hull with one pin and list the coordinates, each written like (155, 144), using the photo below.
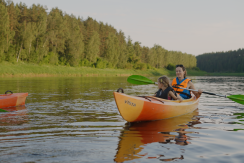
(134, 108)
(14, 99)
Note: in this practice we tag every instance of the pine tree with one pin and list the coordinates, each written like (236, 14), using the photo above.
(33, 35)
(41, 35)
(131, 52)
(92, 47)
(4, 30)
(112, 49)
(12, 22)
(137, 48)
(56, 31)
(74, 44)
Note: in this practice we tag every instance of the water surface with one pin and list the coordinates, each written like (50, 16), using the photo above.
(75, 119)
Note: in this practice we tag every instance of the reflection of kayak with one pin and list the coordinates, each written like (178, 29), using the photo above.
(147, 108)
(136, 136)
(13, 116)
(13, 99)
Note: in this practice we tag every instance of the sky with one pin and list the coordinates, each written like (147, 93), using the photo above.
(190, 26)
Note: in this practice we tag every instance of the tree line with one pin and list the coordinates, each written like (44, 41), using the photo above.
(229, 61)
(37, 36)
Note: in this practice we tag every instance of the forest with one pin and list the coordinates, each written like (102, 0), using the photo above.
(230, 61)
(38, 35)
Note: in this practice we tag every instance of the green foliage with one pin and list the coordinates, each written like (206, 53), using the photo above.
(196, 68)
(149, 66)
(51, 58)
(222, 62)
(74, 44)
(62, 61)
(92, 48)
(85, 63)
(10, 55)
(29, 69)
(31, 34)
(112, 49)
(128, 66)
(101, 64)
(131, 52)
(109, 65)
(170, 67)
(4, 31)
(140, 66)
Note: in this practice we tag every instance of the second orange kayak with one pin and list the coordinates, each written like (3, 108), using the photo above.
(13, 99)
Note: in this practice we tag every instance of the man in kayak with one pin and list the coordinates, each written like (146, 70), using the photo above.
(182, 81)
(165, 90)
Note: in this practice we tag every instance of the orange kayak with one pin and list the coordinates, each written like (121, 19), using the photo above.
(148, 108)
(13, 99)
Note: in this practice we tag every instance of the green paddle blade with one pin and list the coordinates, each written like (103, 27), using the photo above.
(139, 80)
(1, 110)
(237, 98)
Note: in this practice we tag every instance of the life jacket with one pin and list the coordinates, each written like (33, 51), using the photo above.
(183, 83)
(164, 94)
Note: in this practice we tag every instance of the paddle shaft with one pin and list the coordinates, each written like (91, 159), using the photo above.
(197, 91)
(202, 92)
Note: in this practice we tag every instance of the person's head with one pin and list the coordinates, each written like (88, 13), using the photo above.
(163, 81)
(181, 71)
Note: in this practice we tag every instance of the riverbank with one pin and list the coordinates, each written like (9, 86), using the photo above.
(23, 69)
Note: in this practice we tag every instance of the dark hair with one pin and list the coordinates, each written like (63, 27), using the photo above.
(183, 68)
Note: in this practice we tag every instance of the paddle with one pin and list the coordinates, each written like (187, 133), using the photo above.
(141, 80)
(1, 110)
(237, 98)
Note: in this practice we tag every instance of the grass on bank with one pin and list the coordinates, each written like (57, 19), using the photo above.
(30, 69)
(23, 69)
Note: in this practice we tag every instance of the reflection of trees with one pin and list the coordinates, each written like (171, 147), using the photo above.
(136, 135)
(65, 88)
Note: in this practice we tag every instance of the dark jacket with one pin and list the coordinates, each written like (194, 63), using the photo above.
(164, 94)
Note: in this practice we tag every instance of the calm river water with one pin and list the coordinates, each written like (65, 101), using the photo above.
(75, 119)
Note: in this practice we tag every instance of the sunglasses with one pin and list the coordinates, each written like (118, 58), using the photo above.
(179, 65)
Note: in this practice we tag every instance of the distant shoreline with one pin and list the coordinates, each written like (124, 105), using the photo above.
(23, 69)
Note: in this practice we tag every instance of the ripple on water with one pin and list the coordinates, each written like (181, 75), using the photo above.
(69, 120)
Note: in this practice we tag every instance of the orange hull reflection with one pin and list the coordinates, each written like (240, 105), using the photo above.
(137, 135)
(14, 116)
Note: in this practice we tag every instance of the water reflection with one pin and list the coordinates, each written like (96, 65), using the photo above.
(12, 121)
(75, 119)
(13, 116)
(136, 136)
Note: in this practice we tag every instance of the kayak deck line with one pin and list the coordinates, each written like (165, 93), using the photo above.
(148, 97)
